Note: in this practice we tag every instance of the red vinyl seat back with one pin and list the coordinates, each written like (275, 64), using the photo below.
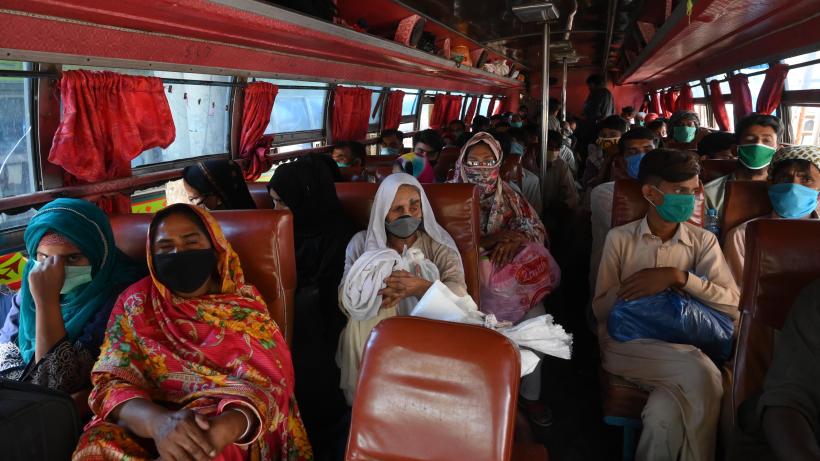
(434, 391)
(260, 196)
(782, 258)
(263, 239)
(446, 161)
(456, 209)
(713, 169)
(629, 204)
(744, 200)
(376, 161)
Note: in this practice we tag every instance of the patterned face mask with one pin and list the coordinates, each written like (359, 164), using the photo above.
(486, 178)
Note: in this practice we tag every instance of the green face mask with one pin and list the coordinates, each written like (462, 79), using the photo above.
(684, 133)
(755, 156)
(75, 276)
(675, 207)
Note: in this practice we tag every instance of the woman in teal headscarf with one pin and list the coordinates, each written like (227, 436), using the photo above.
(52, 334)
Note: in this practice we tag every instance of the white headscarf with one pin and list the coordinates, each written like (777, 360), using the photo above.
(376, 238)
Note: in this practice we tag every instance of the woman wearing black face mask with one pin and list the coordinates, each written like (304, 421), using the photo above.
(401, 222)
(192, 360)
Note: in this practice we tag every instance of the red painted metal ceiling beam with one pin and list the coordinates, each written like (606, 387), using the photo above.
(266, 44)
(725, 34)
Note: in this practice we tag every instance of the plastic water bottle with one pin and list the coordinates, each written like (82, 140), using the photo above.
(711, 224)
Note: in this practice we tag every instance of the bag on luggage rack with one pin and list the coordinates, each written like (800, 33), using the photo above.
(36, 423)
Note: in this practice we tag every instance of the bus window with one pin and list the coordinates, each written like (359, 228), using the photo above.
(806, 77)
(375, 118)
(697, 89)
(408, 104)
(424, 121)
(755, 81)
(17, 174)
(805, 125)
(298, 109)
(484, 105)
(407, 128)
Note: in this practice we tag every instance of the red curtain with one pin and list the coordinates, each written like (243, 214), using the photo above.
(741, 96)
(669, 104)
(392, 110)
(254, 146)
(351, 113)
(685, 100)
(108, 120)
(468, 117)
(446, 108)
(718, 105)
(772, 89)
(655, 104)
(662, 99)
(497, 107)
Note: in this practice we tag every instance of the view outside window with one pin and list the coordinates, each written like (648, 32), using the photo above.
(805, 125)
(408, 104)
(484, 104)
(407, 128)
(16, 149)
(697, 89)
(803, 78)
(300, 109)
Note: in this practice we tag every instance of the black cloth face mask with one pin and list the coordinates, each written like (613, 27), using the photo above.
(403, 226)
(187, 271)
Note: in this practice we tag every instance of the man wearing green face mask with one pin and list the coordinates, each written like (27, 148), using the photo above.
(756, 139)
(643, 258)
(684, 131)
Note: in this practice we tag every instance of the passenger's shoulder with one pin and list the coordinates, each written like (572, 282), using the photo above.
(625, 231)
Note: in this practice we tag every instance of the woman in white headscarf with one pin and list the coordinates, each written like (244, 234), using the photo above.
(390, 266)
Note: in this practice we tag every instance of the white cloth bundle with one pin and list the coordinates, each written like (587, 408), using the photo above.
(539, 333)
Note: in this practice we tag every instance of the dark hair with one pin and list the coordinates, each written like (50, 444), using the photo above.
(638, 133)
(715, 142)
(613, 122)
(803, 166)
(554, 140)
(460, 122)
(429, 137)
(357, 149)
(497, 117)
(572, 119)
(386, 133)
(670, 165)
(523, 106)
(655, 124)
(519, 134)
(681, 115)
(554, 104)
(627, 110)
(480, 120)
(502, 124)
(595, 79)
(760, 120)
(180, 209)
(504, 139)
(223, 178)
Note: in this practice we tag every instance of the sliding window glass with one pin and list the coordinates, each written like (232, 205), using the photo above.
(298, 112)
(17, 167)
(805, 77)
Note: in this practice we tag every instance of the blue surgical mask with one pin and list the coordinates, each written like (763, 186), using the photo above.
(791, 200)
(633, 165)
(516, 149)
(516, 124)
(389, 150)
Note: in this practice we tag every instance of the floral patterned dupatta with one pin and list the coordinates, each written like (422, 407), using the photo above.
(202, 353)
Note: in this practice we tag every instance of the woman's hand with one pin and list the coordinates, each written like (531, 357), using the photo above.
(402, 284)
(45, 282)
(182, 436)
(651, 281)
(226, 429)
(504, 252)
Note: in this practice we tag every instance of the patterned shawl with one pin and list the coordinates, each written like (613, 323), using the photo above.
(203, 353)
(502, 208)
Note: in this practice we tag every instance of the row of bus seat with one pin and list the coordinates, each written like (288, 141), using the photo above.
(781, 258)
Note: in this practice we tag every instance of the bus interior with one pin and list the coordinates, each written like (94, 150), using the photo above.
(268, 83)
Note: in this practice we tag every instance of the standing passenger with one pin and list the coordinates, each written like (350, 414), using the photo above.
(599, 104)
(217, 185)
(321, 233)
(645, 257)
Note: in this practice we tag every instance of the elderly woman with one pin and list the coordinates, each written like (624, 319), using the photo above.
(192, 366)
(52, 333)
(378, 281)
(217, 185)
(508, 224)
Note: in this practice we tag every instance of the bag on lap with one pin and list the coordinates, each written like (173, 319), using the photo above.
(510, 291)
(36, 423)
(675, 318)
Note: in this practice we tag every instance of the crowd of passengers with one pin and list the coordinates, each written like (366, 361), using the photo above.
(178, 357)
